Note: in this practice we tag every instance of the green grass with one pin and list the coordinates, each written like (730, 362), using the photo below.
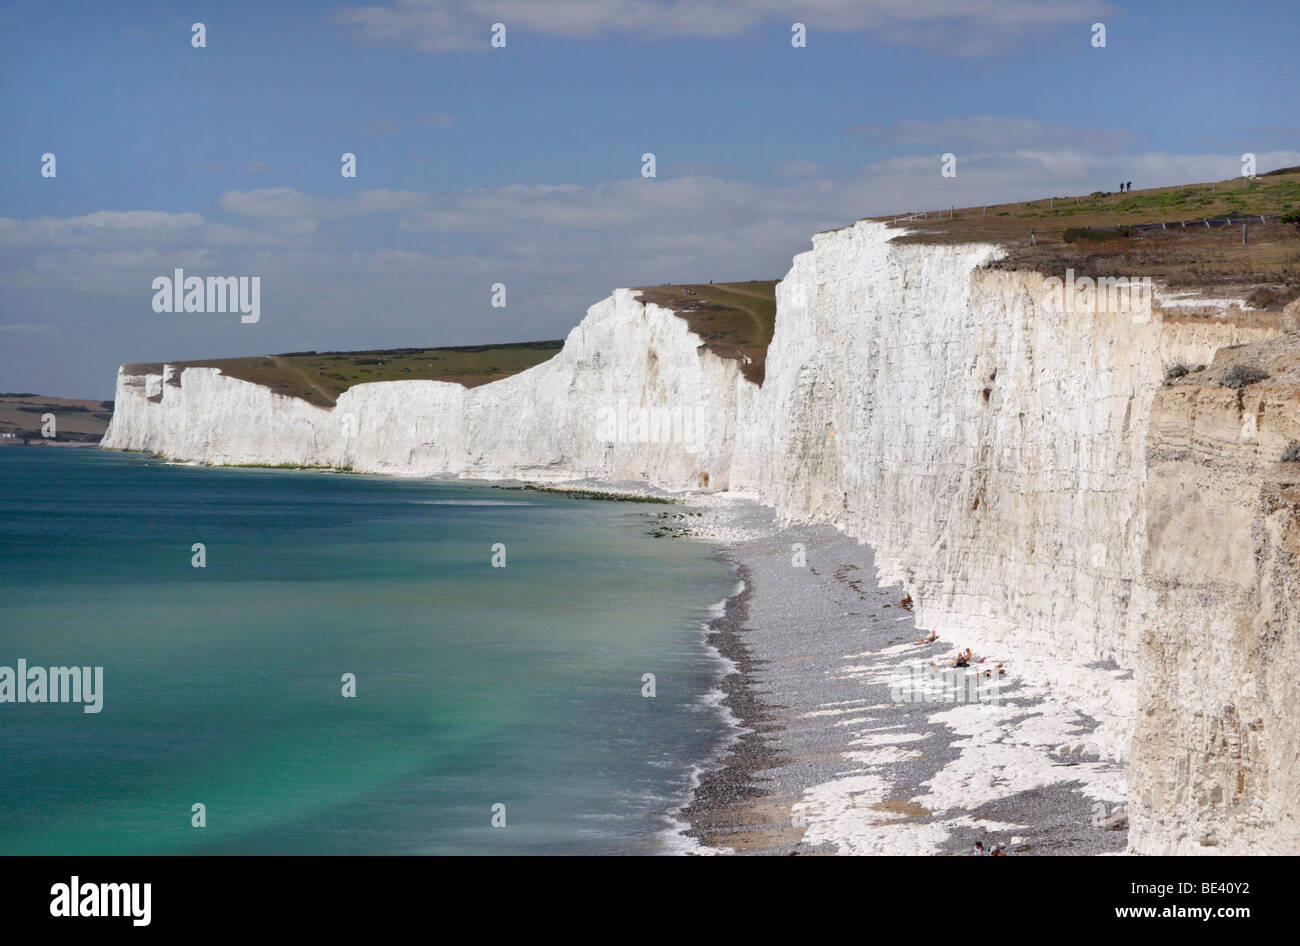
(1271, 193)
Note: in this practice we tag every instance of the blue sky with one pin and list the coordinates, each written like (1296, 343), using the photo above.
(522, 165)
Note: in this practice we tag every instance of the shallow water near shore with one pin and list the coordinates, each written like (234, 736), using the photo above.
(475, 686)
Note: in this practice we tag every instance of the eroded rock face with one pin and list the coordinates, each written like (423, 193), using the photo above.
(1216, 751)
(1025, 471)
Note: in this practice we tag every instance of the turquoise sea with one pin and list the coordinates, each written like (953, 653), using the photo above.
(475, 686)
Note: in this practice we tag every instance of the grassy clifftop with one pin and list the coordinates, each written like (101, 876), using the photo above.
(1265, 270)
(735, 319)
(1271, 193)
(320, 377)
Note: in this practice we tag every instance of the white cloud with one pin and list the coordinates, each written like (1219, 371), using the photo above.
(115, 225)
(962, 26)
(285, 202)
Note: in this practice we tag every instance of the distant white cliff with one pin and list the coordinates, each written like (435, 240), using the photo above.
(632, 396)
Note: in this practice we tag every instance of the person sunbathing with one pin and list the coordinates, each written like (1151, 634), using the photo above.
(934, 636)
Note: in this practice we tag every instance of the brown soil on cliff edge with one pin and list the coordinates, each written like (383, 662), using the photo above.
(320, 377)
(1266, 271)
(735, 319)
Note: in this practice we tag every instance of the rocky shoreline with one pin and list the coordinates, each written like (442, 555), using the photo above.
(836, 756)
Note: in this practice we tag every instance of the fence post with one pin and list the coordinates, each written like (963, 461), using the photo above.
(1243, 233)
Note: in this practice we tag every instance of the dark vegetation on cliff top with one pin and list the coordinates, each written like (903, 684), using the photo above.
(1241, 376)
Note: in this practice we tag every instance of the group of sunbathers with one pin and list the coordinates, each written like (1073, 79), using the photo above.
(964, 658)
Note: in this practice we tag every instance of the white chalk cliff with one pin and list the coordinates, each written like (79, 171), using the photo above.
(1025, 472)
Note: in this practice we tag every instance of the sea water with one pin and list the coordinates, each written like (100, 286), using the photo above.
(497, 710)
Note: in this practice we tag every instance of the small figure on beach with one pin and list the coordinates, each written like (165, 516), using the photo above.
(978, 849)
(934, 636)
(906, 602)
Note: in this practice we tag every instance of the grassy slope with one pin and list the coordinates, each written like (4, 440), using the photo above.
(1267, 269)
(319, 378)
(74, 419)
(735, 319)
(1268, 194)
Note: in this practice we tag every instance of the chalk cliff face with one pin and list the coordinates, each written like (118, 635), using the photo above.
(1023, 470)
(632, 396)
(993, 450)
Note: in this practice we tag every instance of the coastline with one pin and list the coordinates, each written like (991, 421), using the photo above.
(824, 758)
(838, 752)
